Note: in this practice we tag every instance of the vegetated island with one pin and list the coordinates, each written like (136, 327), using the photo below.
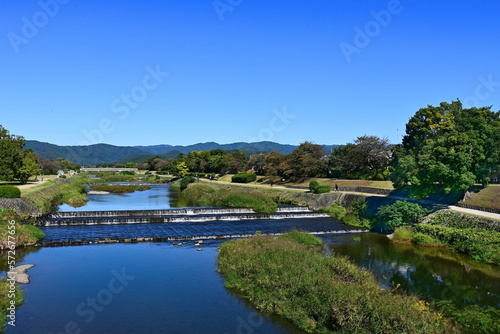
(290, 276)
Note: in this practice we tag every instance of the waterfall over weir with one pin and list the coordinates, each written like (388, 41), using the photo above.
(172, 216)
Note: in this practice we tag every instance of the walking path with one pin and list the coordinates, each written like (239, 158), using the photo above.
(29, 185)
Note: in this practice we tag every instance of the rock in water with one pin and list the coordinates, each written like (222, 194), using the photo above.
(19, 273)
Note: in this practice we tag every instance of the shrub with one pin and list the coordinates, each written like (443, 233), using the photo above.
(423, 240)
(322, 189)
(401, 213)
(319, 188)
(313, 185)
(127, 172)
(185, 181)
(9, 192)
(244, 178)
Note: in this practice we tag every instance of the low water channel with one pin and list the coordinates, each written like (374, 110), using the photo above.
(156, 287)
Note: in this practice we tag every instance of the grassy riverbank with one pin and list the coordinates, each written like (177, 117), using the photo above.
(461, 233)
(290, 276)
(53, 194)
(5, 300)
(24, 234)
(118, 188)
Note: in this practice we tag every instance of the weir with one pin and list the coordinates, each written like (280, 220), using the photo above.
(172, 216)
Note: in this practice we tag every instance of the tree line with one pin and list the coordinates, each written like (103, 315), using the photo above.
(19, 164)
(445, 148)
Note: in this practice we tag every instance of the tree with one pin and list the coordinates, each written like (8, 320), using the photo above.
(181, 169)
(29, 166)
(447, 148)
(366, 158)
(10, 154)
(257, 163)
(306, 161)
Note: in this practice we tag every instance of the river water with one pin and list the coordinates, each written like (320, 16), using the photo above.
(157, 287)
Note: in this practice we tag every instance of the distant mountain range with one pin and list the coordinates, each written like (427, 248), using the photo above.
(104, 153)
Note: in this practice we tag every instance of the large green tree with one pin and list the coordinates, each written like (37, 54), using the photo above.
(29, 167)
(447, 148)
(10, 154)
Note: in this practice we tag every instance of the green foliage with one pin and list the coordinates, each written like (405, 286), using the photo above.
(244, 177)
(480, 244)
(422, 239)
(319, 294)
(304, 238)
(181, 169)
(230, 198)
(313, 185)
(335, 210)
(367, 158)
(185, 181)
(403, 235)
(127, 172)
(24, 233)
(473, 318)
(449, 148)
(10, 155)
(5, 302)
(10, 192)
(319, 188)
(118, 188)
(353, 216)
(29, 166)
(400, 214)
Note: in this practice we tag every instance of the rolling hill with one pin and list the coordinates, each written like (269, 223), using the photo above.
(105, 153)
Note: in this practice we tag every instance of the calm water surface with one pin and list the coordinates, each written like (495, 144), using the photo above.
(161, 288)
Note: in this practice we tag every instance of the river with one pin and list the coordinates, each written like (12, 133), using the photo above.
(159, 287)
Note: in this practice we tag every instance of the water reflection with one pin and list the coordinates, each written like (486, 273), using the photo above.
(158, 197)
(433, 273)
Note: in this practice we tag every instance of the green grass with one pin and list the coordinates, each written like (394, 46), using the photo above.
(304, 238)
(5, 300)
(488, 197)
(480, 244)
(118, 188)
(23, 233)
(230, 198)
(47, 198)
(320, 294)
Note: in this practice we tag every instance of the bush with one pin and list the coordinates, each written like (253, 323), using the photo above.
(313, 185)
(9, 192)
(423, 240)
(127, 172)
(319, 188)
(185, 181)
(244, 178)
(400, 214)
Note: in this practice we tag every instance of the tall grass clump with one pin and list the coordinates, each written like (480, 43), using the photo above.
(320, 294)
(230, 198)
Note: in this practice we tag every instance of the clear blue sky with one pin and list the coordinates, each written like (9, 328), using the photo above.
(80, 72)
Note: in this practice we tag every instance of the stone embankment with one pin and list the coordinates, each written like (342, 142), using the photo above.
(20, 205)
(469, 221)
